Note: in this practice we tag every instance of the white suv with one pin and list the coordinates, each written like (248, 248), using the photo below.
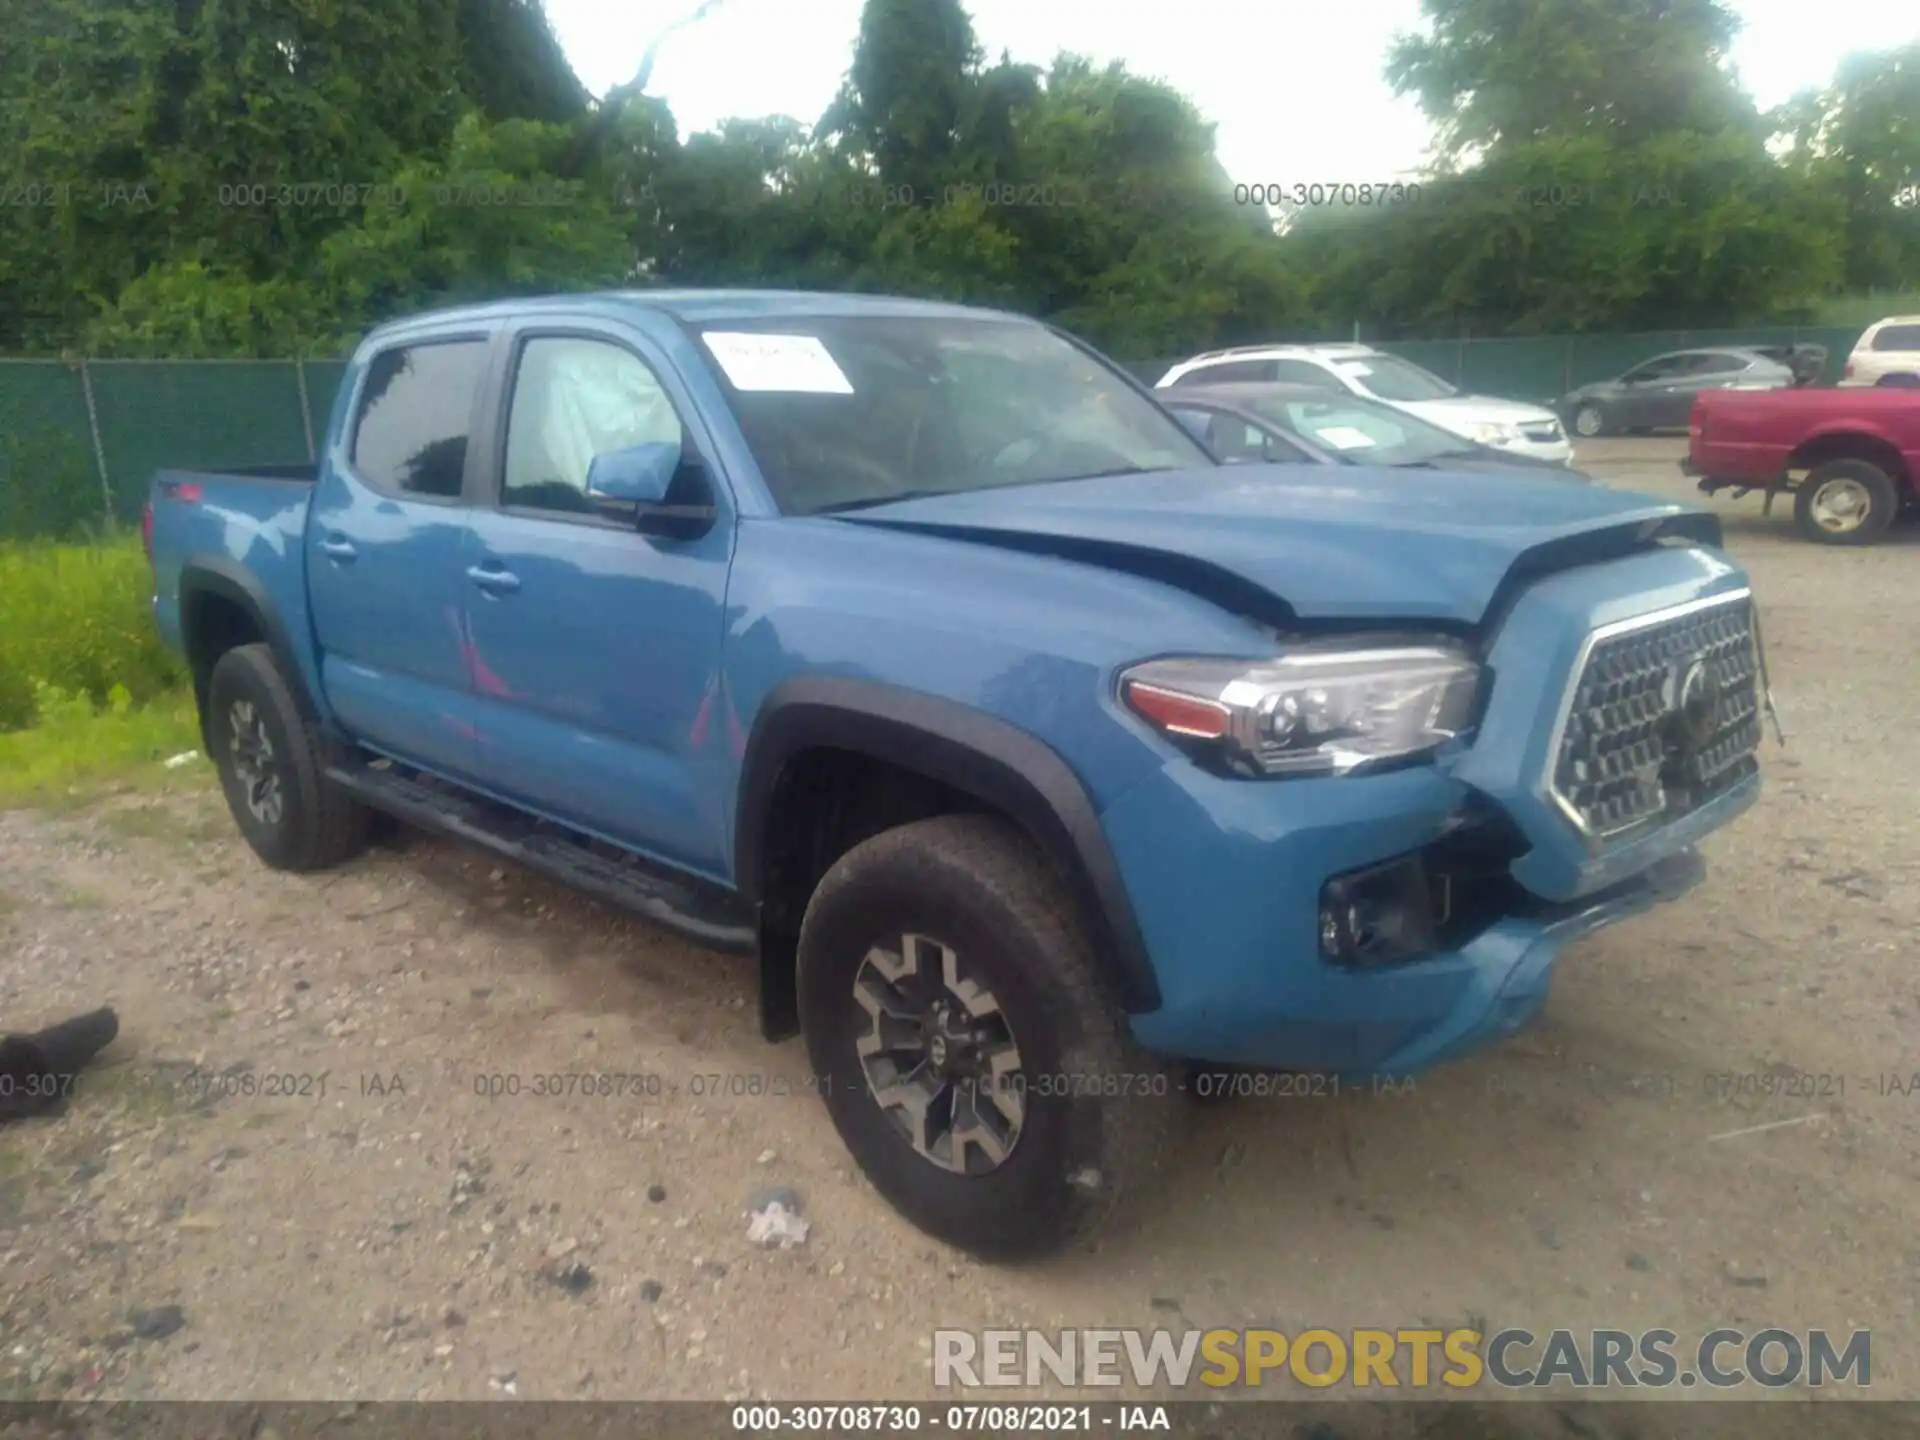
(1509, 425)
(1887, 353)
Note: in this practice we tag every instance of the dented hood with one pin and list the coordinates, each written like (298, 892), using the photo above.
(1322, 544)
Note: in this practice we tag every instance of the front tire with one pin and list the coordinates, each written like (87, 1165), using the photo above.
(970, 1053)
(1590, 422)
(272, 769)
(1846, 502)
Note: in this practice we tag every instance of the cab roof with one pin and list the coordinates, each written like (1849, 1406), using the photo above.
(699, 307)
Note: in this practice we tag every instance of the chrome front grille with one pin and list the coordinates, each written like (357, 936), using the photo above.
(1663, 714)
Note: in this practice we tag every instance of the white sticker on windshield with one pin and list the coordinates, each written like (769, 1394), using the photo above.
(1353, 368)
(1345, 437)
(798, 364)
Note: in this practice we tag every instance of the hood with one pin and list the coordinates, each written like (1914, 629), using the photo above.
(1457, 410)
(1499, 462)
(1287, 543)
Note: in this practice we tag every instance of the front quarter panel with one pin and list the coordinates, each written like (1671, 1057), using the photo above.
(1034, 641)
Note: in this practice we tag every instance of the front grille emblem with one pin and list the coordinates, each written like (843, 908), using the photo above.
(1695, 705)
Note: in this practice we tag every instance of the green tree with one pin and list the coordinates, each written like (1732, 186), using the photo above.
(1858, 143)
(515, 67)
(1581, 235)
(1492, 72)
(912, 85)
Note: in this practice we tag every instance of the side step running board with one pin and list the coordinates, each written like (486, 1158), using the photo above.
(686, 907)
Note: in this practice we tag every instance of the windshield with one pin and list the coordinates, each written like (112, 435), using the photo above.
(1360, 432)
(843, 411)
(1390, 378)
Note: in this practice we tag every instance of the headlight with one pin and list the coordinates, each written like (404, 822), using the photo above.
(1313, 711)
(1492, 434)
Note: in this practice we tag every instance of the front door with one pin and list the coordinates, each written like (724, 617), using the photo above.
(1674, 404)
(596, 648)
(1642, 391)
(386, 540)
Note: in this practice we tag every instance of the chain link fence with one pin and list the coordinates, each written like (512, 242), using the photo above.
(79, 440)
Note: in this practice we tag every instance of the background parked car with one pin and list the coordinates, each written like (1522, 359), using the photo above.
(1509, 425)
(1887, 353)
(1658, 394)
(1306, 424)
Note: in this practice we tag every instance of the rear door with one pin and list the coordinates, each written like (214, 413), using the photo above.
(1702, 371)
(385, 541)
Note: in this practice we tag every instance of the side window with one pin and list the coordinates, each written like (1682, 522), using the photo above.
(1304, 372)
(1718, 365)
(410, 434)
(1897, 337)
(574, 399)
(1658, 368)
(1231, 372)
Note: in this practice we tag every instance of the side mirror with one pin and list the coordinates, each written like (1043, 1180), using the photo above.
(657, 487)
(637, 475)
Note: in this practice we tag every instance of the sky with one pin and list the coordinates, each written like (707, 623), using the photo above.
(1294, 86)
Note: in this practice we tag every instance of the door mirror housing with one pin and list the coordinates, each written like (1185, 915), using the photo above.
(637, 475)
(657, 487)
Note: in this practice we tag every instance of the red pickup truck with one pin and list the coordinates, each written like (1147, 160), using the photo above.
(1851, 457)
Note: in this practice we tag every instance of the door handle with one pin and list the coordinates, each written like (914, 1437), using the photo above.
(338, 547)
(494, 580)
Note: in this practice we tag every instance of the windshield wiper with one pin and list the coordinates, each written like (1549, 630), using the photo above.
(1465, 453)
(868, 502)
(1111, 474)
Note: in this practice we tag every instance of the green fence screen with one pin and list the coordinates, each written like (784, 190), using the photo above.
(65, 471)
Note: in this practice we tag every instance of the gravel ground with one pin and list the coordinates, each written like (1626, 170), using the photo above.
(388, 1232)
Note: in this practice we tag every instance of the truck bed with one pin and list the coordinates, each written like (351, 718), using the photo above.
(244, 527)
(300, 473)
(1756, 437)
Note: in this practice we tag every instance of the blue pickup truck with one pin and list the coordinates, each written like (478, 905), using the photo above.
(1048, 766)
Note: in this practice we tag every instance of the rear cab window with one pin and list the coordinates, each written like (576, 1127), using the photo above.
(414, 417)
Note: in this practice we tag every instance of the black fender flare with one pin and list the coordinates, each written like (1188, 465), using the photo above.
(977, 754)
(231, 582)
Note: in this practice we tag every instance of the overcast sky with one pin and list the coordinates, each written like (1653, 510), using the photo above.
(1294, 85)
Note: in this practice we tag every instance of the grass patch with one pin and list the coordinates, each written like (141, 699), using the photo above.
(77, 749)
(78, 619)
(172, 824)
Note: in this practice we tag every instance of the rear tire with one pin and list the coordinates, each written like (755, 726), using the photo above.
(945, 949)
(272, 768)
(1846, 502)
(1590, 422)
